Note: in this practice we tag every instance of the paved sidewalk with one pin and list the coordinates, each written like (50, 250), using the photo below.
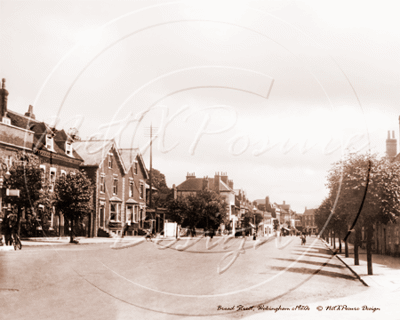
(386, 269)
(64, 241)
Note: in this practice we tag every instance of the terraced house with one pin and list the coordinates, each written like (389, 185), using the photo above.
(53, 147)
(119, 179)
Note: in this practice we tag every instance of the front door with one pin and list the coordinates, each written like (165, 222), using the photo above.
(101, 217)
(129, 212)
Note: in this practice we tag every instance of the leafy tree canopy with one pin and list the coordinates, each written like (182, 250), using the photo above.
(355, 177)
(206, 209)
(73, 195)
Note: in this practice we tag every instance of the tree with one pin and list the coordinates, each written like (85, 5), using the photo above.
(206, 209)
(367, 185)
(162, 194)
(158, 180)
(73, 197)
(26, 176)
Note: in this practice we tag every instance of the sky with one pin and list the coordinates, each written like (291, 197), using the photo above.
(270, 92)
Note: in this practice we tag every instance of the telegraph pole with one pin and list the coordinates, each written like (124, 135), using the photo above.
(151, 173)
(151, 163)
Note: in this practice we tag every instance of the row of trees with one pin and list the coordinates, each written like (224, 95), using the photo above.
(364, 190)
(71, 195)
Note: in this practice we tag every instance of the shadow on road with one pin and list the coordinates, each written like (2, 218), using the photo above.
(315, 263)
(314, 271)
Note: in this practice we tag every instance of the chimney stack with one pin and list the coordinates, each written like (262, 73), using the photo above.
(267, 204)
(217, 178)
(224, 177)
(391, 146)
(190, 175)
(175, 192)
(205, 183)
(30, 112)
(3, 99)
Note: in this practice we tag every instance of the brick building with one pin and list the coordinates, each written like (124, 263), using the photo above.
(118, 176)
(53, 147)
(220, 184)
(309, 221)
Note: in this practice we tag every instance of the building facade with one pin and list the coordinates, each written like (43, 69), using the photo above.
(219, 184)
(54, 148)
(309, 224)
(119, 179)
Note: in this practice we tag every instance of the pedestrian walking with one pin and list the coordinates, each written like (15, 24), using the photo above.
(148, 235)
(303, 239)
(5, 229)
(125, 228)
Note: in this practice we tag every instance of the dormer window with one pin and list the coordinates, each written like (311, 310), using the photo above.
(49, 142)
(68, 148)
(6, 120)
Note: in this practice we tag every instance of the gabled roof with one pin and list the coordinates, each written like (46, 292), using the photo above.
(129, 156)
(94, 152)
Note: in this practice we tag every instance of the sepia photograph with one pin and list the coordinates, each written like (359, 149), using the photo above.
(198, 159)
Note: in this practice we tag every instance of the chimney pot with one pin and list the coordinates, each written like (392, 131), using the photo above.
(3, 99)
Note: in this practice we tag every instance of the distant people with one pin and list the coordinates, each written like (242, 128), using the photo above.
(303, 239)
(212, 233)
(148, 235)
(125, 229)
(5, 230)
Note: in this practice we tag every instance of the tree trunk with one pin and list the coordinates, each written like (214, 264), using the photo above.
(356, 245)
(369, 248)
(346, 248)
(334, 240)
(71, 236)
(19, 221)
(340, 243)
